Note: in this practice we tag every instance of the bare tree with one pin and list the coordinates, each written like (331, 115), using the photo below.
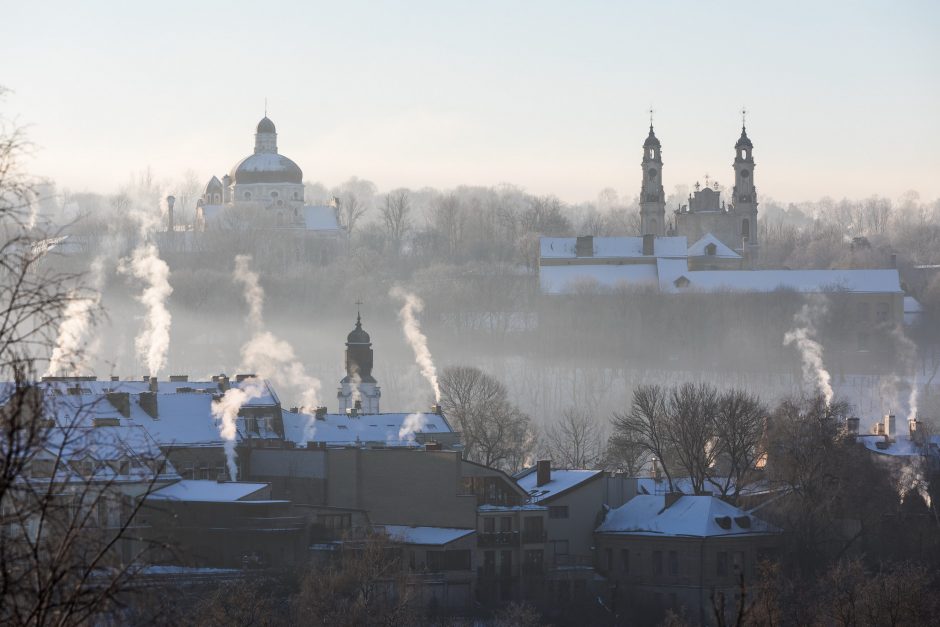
(493, 430)
(691, 411)
(645, 426)
(739, 428)
(396, 217)
(575, 441)
(353, 199)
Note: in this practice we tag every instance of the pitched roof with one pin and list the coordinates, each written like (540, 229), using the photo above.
(340, 429)
(424, 535)
(721, 250)
(208, 491)
(561, 481)
(612, 247)
(689, 516)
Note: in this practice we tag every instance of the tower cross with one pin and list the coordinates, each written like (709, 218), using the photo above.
(743, 117)
(651, 116)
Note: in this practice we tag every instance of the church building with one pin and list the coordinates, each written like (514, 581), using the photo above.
(266, 188)
(359, 391)
(733, 225)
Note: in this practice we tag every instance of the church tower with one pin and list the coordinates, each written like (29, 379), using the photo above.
(744, 196)
(358, 389)
(652, 196)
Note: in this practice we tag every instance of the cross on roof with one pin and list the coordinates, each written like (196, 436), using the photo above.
(651, 116)
(743, 117)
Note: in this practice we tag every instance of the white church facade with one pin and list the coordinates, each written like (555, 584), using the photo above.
(266, 190)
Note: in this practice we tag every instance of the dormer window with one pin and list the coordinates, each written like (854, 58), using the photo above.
(710, 250)
(681, 282)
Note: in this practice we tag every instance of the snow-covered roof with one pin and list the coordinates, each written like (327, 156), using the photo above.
(320, 218)
(901, 445)
(424, 535)
(561, 481)
(209, 491)
(612, 247)
(568, 279)
(721, 251)
(340, 429)
(689, 516)
(806, 281)
(912, 310)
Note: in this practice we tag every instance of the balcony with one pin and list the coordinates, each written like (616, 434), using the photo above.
(498, 538)
(534, 536)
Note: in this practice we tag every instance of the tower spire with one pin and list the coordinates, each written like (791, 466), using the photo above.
(743, 118)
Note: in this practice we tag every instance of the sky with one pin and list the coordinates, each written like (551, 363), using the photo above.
(843, 98)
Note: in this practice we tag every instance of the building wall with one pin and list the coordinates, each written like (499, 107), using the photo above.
(689, 569)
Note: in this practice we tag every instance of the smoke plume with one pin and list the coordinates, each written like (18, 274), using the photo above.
(412, 424)
(267, 356)
(811, 351)
(907, 360)
(354, 382)
(226, 410)
(70, 347)
(419, 343)
(153, 340)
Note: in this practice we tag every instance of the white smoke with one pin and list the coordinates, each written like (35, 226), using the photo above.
(412, 424)
(153, 340)
(907, 360)
(419, 343)
(226, 410)
(354, 382)
(811, 351)
(267, 357)
(70, 347)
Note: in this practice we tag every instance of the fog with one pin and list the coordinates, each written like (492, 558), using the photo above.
(470, 254)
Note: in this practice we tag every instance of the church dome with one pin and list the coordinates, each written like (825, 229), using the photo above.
(743, 141)
(651, 140)
(266, 126)
(358, 335)
(266, 167)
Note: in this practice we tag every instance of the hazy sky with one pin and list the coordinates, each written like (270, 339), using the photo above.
(843, 97)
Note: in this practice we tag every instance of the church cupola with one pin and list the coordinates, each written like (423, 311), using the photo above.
(652, 195)
(265, 136)
(358, 389)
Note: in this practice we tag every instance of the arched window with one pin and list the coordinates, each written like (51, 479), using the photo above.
(280, 219)
(296, 196)
(216, 198)
(745, 228)
(247, 195)
(710, 250)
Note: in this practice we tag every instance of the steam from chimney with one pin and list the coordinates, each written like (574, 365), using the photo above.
(76, 322)
(907, 359)
(226, 410)
(419, 343)
(412, 424)
(266, 354)
(811, 351)
(153, 341)
(354, 383)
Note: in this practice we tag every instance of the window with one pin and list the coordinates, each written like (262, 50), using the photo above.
(335, 522)
(609, 559)
(561, 547)
(296, 196)
(881, 312)
(737, 562)
(721, 564)
(273, 194)
(505, 563)
(247, 195)
(745, 228)
(862, 312)
(710, 250)
(448, 560)
(489, 562)
(657, 562)
(673, 563)
(489, 524)
(558, 511)
(505, 523)
(625, 560)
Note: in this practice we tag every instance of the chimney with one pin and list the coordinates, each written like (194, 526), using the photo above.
(148, 402)
(179, 378)
(358, 405)
(671, 498)
(352, 412)
(223, 383)
(433, 446)
(894, 260)
(584, 246)
(851, 425)
(242, 377)
(321, 413)
(543, 472)
(436, 409)
(121, 402)
(890, 426)
(114, 377)
(153, 385)
(648, 243)
(170, 201)
(913, 428)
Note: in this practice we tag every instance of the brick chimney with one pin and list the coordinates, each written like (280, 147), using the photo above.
(851, 425)
(121, 402)
(648, 244)
(148, 402)
(890, 426)
(584, 246)
(543, 472)
(671, 498)
(154, 387)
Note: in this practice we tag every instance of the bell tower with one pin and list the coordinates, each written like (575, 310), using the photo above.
(359, 390)
(744, 195)
(652, 196)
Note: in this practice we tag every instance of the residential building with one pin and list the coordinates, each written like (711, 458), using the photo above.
(673, 551)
